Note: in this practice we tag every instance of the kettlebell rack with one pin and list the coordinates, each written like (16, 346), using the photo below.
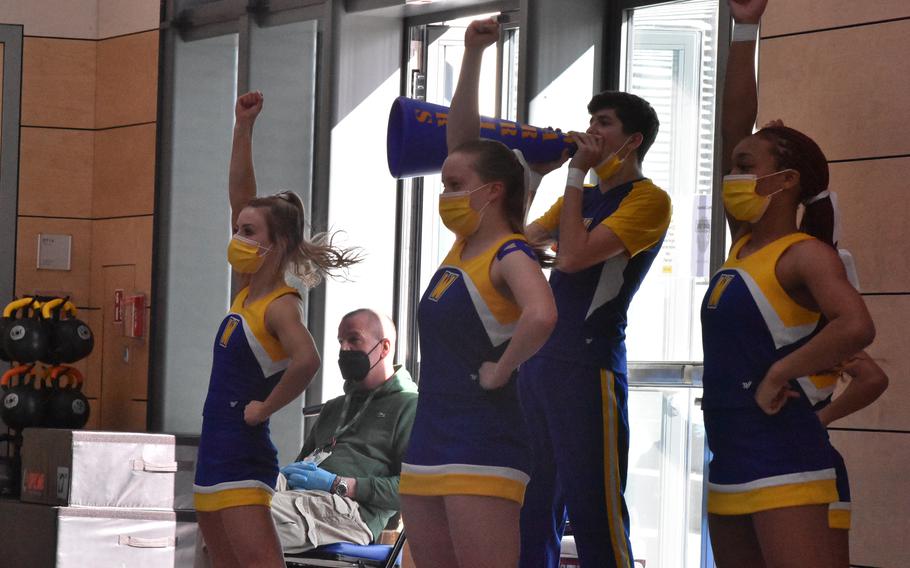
(38, 334)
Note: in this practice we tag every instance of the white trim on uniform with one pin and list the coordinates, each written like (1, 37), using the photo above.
(497, 332)
(774, 481)
(782, 334)
(269, 367)
(466, 469)
(228, 485)
(609, 283)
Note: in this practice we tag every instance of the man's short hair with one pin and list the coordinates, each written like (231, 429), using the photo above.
(635, 113)
(381, 325)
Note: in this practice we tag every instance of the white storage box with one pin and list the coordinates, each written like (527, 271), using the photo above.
(98, 469)
(115, 537)
(42, 536)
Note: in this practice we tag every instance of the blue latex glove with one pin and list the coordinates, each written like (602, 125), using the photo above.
(306, 475)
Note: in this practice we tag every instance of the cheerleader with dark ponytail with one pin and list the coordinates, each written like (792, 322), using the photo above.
(777, 314)
(264, 358)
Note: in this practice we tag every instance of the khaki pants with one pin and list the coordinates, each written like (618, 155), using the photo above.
(307, 519)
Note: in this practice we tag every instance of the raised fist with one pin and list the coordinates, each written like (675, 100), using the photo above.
(248, 106)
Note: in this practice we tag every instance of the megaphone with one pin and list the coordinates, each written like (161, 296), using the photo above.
(416, 142)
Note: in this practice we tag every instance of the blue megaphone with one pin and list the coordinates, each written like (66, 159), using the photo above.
(416, 143)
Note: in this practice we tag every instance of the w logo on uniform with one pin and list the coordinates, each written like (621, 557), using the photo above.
(718, 290)
(445, 281)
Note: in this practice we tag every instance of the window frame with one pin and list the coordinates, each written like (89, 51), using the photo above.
(410, 202)
(210, 20)
(11, 36)
(642, 372)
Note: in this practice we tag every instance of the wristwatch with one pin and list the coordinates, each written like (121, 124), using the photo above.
(341, 487)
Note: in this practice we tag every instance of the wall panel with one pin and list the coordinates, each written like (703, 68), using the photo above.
(847, 99)
(877, 466)
(58, 82)
(120, 242)
(124, 171)
(889, 412)
(872, 194)
(127, 80)
(75, 282)
(56, 172)
(794, 16)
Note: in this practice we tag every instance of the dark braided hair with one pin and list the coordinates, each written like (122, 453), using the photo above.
(794, 150)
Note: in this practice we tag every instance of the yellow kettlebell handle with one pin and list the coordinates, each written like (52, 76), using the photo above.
(48, 307)
(15, 306)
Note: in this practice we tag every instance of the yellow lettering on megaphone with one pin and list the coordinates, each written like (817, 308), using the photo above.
(507, 129)
(423, 115)
(528, 131)
(487, 125)
(442, 118)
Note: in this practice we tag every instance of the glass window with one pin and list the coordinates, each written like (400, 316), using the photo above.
(671, 61)
(434, 66)
(196, 222)
(666, 470)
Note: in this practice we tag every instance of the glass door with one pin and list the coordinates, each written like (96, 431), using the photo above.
(208, 65)
(670, 58)
(436, 51)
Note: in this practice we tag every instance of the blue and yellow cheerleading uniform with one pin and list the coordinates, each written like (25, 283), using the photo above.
(819, 389)
(760, 461)
(237, 463)
(466, 440)
(574, 392)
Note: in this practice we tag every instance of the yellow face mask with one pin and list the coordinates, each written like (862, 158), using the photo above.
(741, 200)
(608, 168)
(458, 215)
(243, 254)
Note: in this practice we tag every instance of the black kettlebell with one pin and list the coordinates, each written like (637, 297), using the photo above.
(10, 316)
(70, 339)
(22, 406)
(66, 407)
(26, 339)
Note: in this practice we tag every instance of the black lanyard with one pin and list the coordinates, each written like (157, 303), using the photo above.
(342, 427)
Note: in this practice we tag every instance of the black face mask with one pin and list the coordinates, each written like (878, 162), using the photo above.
(355, 365)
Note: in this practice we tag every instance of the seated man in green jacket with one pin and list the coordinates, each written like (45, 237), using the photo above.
(344, 486)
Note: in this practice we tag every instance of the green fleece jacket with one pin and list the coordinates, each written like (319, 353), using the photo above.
(371, 451)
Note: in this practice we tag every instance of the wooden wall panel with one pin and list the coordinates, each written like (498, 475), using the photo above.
(90, 367)
(847, 99)
(891, 314)
(126, 241)
(74, 283)
(127, 80)
(872, 197)
(792, 16)
(877, 467)
(94, 417)
(56, 172)
(124, 171)
(58, 82)
(124, 359)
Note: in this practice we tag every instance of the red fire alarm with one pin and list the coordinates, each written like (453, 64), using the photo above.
(134, 316)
